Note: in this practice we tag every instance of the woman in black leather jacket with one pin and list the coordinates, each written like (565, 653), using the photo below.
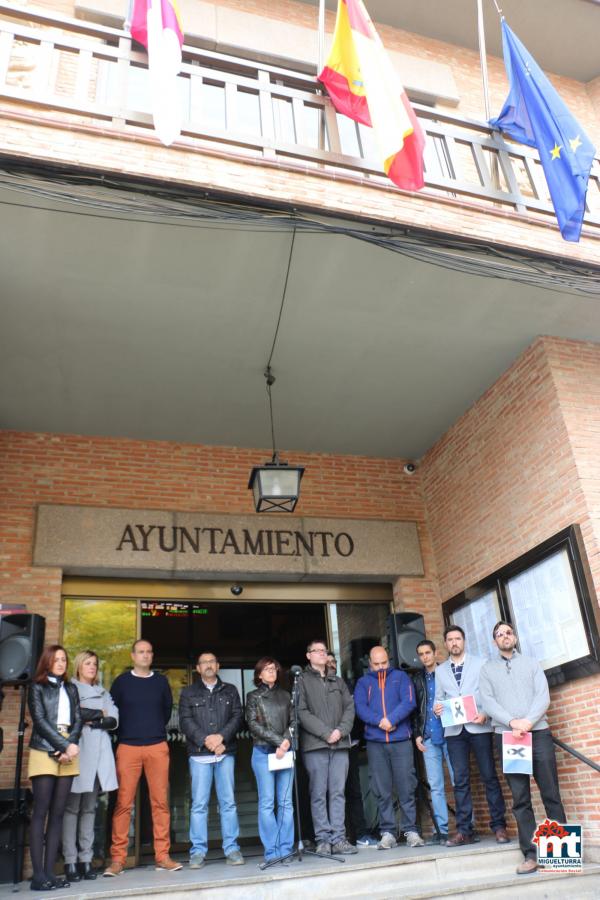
(53, 760)
(268, 717)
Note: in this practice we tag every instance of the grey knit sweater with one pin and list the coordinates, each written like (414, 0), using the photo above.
(518, 690)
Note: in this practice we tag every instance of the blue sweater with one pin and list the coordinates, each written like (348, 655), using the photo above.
(390, 694)
(144, 708)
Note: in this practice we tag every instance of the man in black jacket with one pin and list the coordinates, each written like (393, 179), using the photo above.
(429, 737)
(210, 715)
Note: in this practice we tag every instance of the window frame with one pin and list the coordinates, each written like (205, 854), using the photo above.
(569, 539)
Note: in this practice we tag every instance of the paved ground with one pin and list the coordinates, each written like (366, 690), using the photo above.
(216, 871)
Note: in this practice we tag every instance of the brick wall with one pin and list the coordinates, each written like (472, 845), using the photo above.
(519, 466)
(43, 468)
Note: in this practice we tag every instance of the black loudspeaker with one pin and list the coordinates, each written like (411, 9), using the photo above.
(405, 631)
(359, 655)
(21, 644)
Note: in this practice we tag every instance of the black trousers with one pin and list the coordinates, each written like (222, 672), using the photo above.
(356, 826)
(459, 750)
(546, 777)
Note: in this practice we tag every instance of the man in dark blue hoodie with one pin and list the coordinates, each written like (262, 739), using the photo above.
(384, 700)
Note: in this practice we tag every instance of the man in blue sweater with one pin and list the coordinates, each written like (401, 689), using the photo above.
(145, 702)
(384, 700)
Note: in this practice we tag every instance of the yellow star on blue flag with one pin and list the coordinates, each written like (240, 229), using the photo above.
(534, 114)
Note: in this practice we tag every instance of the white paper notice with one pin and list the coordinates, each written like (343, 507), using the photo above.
(286, 762)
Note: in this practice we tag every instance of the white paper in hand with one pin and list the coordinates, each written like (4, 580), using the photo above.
(286, 762)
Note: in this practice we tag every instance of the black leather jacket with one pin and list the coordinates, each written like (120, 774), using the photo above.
(420, 712)
(203, 712)
(268, 715)
(43, 706)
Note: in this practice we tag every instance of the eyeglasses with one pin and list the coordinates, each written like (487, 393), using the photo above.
(320, 650)
(270, 669)
(504, 634)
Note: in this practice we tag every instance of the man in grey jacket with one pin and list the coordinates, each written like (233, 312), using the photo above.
(514, 693)
(459, 676)
(326, 714)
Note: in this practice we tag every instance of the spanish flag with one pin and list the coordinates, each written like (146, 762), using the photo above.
(156, 25)
(363, 85)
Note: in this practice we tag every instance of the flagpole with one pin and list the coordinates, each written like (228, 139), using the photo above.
(321, 51)
(483, 61)
(320, 64)
(127, 23)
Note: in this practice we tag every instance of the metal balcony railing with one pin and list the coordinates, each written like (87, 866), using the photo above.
(232, 104)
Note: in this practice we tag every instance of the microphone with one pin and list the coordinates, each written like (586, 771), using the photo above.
(296, 670)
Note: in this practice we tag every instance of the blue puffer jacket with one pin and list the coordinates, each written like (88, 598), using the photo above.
(387, 693)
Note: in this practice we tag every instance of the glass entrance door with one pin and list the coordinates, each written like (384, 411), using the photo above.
(238, 634)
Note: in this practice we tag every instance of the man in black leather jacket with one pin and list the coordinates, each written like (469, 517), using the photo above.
(210, 715)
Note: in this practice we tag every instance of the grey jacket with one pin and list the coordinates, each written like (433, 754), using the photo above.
(96, 755)
(323, 705)
(517, 691)
(446, 687)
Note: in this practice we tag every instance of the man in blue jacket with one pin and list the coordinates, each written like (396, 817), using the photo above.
(384, 700)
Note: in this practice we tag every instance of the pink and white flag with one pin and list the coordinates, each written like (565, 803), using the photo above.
(157, 26)
(458, 710)
(517, 754)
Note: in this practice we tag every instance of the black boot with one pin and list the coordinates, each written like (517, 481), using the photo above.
(86, 872)
(71, 873)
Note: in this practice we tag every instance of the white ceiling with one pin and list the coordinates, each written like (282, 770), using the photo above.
(162, 331)
(562, 35)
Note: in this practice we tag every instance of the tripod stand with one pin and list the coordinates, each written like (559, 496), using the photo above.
(300, 850)
(17, 816)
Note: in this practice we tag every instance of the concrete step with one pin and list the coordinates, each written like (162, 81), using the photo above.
(473, 873)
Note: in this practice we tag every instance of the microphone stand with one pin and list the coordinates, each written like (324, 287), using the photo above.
(300, 850)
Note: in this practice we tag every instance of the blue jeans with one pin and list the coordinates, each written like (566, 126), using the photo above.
(203, 775)
(433, 758)
(276, 830)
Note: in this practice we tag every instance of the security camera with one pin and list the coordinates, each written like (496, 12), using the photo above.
(236, 589)
(410, 468)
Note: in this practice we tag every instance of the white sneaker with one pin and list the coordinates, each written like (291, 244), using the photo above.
(413, 839)
(387, 842)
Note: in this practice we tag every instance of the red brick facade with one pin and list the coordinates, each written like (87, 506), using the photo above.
(516, 468)
(519, 466)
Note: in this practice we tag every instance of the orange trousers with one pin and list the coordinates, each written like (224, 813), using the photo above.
(153, 760)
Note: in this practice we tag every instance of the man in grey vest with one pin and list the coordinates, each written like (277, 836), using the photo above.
(514, 693)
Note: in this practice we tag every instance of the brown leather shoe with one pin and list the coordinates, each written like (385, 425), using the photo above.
(528, 866)
(115, 868)
(460, 840)
(502, 836)
(167, 864)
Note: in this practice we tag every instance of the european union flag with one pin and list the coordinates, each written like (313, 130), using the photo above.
(534, 114)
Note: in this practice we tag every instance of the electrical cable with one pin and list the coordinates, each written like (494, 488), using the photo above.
(97, 195)
(283, 296)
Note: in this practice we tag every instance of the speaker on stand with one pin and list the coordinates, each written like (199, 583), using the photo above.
(359, 655)
(405, 630)
(21, 644)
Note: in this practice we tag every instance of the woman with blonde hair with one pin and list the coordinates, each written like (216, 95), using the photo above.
(53, 762)
(96, 764)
